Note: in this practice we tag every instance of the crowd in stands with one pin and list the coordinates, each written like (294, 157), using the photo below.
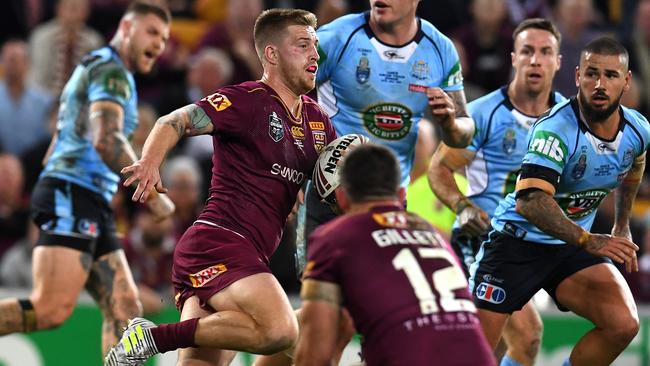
(211, 45)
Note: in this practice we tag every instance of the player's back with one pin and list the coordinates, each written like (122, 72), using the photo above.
(101, 76)
(403, 287)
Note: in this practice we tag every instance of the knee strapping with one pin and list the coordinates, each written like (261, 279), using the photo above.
(29, 315)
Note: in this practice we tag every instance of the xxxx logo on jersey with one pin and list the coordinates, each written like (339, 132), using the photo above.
(206, 275)
(550, 146)
(218, 101)
(389, 121)
(581, 204)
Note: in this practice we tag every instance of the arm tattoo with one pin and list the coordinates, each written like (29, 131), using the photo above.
(191, 120)
(109, 140)
(459, 102)
(541, 210)
(200, 123)
(177, 120)
(626, 193)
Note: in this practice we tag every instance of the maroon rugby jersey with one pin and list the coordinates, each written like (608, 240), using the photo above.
(262, 155)
(403, 287)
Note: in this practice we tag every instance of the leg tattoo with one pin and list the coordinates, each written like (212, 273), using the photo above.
(13, 317)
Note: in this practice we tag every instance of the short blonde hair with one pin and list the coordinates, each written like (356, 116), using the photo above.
(272, 23)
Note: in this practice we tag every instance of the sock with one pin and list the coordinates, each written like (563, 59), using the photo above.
(507, 361)
(169, 337)
(567, 362)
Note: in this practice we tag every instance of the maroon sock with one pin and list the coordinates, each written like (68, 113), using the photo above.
(169, 337)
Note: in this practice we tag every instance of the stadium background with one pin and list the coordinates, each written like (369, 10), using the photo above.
(210, 46)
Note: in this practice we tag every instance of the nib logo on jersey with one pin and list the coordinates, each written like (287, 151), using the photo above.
(550, 146)
(490, 293)
(389, 121)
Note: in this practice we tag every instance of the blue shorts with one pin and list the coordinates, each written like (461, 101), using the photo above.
(508, 271)
(71, 216)
(466, 247)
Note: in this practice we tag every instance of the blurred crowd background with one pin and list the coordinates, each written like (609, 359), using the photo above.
(211, 45)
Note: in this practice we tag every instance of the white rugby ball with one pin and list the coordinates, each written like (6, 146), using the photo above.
(326, 174)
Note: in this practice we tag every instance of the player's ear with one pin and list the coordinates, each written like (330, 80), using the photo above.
(271, 54)
(628, 80)
(125, 24)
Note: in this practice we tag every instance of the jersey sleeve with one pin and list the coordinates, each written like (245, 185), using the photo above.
(229, 109)
(453, 79)
(643, 129)
(329, 128)
(329, 49)
(477, 111)
(323, 258)
(109, 81)
(549, 144)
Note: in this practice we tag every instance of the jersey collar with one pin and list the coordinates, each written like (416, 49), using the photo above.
(585, 127)
(418, 35)
(506, 100)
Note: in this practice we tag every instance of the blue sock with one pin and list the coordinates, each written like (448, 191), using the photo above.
(567, 362)
(507, 361)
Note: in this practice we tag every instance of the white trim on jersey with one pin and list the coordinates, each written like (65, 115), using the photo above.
(219, 226)
(399, 55)
(477, 175)
(327, 99)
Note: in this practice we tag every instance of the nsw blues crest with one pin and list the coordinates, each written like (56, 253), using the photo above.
(363, 70)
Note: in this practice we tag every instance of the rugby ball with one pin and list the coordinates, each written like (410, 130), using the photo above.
(325, 177)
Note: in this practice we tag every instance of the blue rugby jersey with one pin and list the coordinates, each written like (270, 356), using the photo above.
(375, 89)
(590, 167)
(101, 75)
(500, 143)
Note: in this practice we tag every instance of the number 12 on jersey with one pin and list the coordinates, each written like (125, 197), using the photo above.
(445, 281)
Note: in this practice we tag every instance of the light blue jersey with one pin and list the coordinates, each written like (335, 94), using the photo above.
(589, 167)
(500, 143)
(377, 90)
(101, 75)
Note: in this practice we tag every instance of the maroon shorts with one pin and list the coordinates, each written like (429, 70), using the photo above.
(208, 259)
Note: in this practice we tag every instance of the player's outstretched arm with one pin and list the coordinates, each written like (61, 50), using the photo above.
(625, 195)
(449, 111)
(319, 327)
(537, 205)
(189, 120)
(107, 123)
(446, 160)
